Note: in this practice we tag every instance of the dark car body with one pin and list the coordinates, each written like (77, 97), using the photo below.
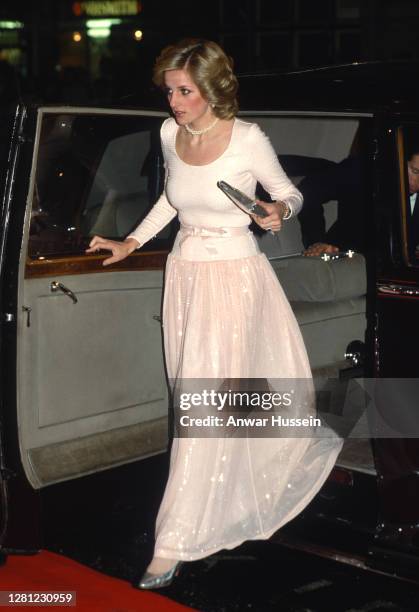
(83, 387)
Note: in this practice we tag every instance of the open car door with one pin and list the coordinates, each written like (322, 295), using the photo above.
(83, 380)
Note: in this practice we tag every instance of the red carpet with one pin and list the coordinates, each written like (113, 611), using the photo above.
(48, 571)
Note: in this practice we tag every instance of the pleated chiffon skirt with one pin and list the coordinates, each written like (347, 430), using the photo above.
(228, 318)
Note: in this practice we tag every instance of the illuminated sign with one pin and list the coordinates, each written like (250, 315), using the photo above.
(94, 8)
(11, 25)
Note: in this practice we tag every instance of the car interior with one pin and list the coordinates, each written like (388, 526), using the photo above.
(327, 294)
(92, 391)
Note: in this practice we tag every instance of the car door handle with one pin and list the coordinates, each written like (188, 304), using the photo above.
(56, 286)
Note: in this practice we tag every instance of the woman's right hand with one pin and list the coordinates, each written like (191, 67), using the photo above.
(119, 250)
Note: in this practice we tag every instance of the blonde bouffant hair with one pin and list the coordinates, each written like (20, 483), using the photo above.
(209, 67)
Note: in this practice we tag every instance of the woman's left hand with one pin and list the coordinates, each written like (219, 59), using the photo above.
(274, 220)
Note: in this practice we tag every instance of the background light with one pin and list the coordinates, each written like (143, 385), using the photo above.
(92, 24)
(100, 28)
(138, 34)
(76, 36)
(11, 25)
(99, 32)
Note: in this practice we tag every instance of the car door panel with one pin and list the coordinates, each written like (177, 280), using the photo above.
(93, 365)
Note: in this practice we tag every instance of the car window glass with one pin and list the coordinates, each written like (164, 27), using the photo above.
(95, 174)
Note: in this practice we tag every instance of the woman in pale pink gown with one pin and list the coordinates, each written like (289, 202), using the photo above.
(225, 317)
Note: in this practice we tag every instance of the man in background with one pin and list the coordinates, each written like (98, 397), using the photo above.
(344, 182)
(412, 155)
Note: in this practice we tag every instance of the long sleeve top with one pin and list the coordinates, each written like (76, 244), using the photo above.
(191, 191)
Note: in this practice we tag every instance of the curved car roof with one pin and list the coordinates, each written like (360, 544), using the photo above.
(357, 87)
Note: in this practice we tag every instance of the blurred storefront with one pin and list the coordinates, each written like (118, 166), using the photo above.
(77, 51)
(100, 45)
(92, 31)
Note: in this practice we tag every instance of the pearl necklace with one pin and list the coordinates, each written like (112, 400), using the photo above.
(203, 131)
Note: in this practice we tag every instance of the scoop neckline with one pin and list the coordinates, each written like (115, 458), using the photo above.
(214, 160)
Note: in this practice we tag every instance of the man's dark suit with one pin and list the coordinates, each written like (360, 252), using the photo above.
(345, 183)
(414, 228)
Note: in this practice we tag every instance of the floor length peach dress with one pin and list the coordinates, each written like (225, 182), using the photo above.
(225, 316)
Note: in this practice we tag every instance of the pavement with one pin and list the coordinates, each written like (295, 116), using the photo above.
(106, 521)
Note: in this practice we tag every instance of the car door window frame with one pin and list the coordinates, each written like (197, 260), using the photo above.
(152, 257)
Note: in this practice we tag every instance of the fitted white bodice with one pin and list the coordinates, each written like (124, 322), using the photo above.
(191, 191)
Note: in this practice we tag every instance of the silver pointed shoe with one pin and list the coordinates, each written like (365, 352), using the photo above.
(158, 581)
